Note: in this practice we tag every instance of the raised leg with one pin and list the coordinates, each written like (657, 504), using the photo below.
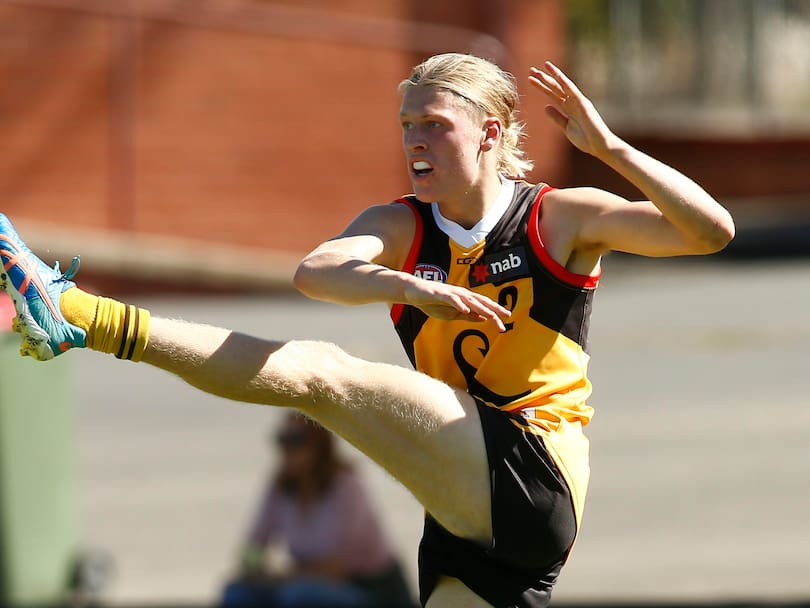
(425, 433)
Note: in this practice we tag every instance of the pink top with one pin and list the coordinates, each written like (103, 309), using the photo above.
(342, 525)
(7, 312)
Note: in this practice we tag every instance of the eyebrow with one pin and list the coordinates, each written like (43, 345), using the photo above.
(402, 114)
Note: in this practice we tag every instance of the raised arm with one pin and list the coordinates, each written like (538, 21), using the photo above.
(363, 265)
(680, 217)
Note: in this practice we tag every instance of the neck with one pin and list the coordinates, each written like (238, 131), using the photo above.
(474, 203)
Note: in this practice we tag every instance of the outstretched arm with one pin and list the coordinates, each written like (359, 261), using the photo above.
(363, 265)
(680, 216)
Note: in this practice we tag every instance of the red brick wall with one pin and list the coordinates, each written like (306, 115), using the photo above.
(537, 32)
(54, 101)
(265, 124)
(248, 123)
(262, 141)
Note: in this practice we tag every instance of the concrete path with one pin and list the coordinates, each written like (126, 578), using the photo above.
(700, 445)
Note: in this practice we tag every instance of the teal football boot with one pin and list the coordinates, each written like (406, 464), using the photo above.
(36, 289)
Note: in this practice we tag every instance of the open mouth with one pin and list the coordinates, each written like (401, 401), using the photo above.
(421, 168)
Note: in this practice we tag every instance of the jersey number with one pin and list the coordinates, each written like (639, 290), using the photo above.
(508, 299)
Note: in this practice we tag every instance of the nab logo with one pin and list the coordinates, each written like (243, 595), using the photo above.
(499, 267)
(429, 272)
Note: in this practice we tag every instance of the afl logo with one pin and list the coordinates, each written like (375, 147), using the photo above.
(429, 272)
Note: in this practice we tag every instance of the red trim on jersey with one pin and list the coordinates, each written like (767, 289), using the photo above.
(589, 281)
(413, 254)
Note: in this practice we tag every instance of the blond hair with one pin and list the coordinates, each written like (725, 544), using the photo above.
(485, 87)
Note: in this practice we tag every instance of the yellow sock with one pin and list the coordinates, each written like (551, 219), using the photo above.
(112, 327)
(79, 309)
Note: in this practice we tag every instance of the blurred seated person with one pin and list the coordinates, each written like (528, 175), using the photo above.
(316, 506)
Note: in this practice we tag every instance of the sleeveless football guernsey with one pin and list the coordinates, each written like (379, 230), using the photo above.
(538, 366)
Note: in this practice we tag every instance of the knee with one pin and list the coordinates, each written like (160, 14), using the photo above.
(325, 372)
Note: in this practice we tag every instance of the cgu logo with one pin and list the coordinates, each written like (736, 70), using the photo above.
(429, 272)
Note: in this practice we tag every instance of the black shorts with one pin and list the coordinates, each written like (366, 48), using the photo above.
(533, 524)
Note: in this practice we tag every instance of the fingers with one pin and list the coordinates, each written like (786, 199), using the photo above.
(454, 302)
(553, 81)
(566, 84)
(547, 84)
(475, 307)
(481, 308)
(556, 95)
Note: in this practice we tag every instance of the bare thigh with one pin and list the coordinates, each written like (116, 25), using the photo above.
(425, 433)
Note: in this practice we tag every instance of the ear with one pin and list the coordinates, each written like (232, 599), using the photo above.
(492, 132)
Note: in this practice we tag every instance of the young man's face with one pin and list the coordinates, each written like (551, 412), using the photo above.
(442, 142)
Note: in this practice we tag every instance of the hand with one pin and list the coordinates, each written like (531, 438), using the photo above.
(572, 111)
(451, 303)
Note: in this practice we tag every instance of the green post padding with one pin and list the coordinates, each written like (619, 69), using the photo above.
(38, 529)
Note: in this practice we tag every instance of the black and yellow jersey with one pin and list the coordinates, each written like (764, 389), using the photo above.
(538, 366)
